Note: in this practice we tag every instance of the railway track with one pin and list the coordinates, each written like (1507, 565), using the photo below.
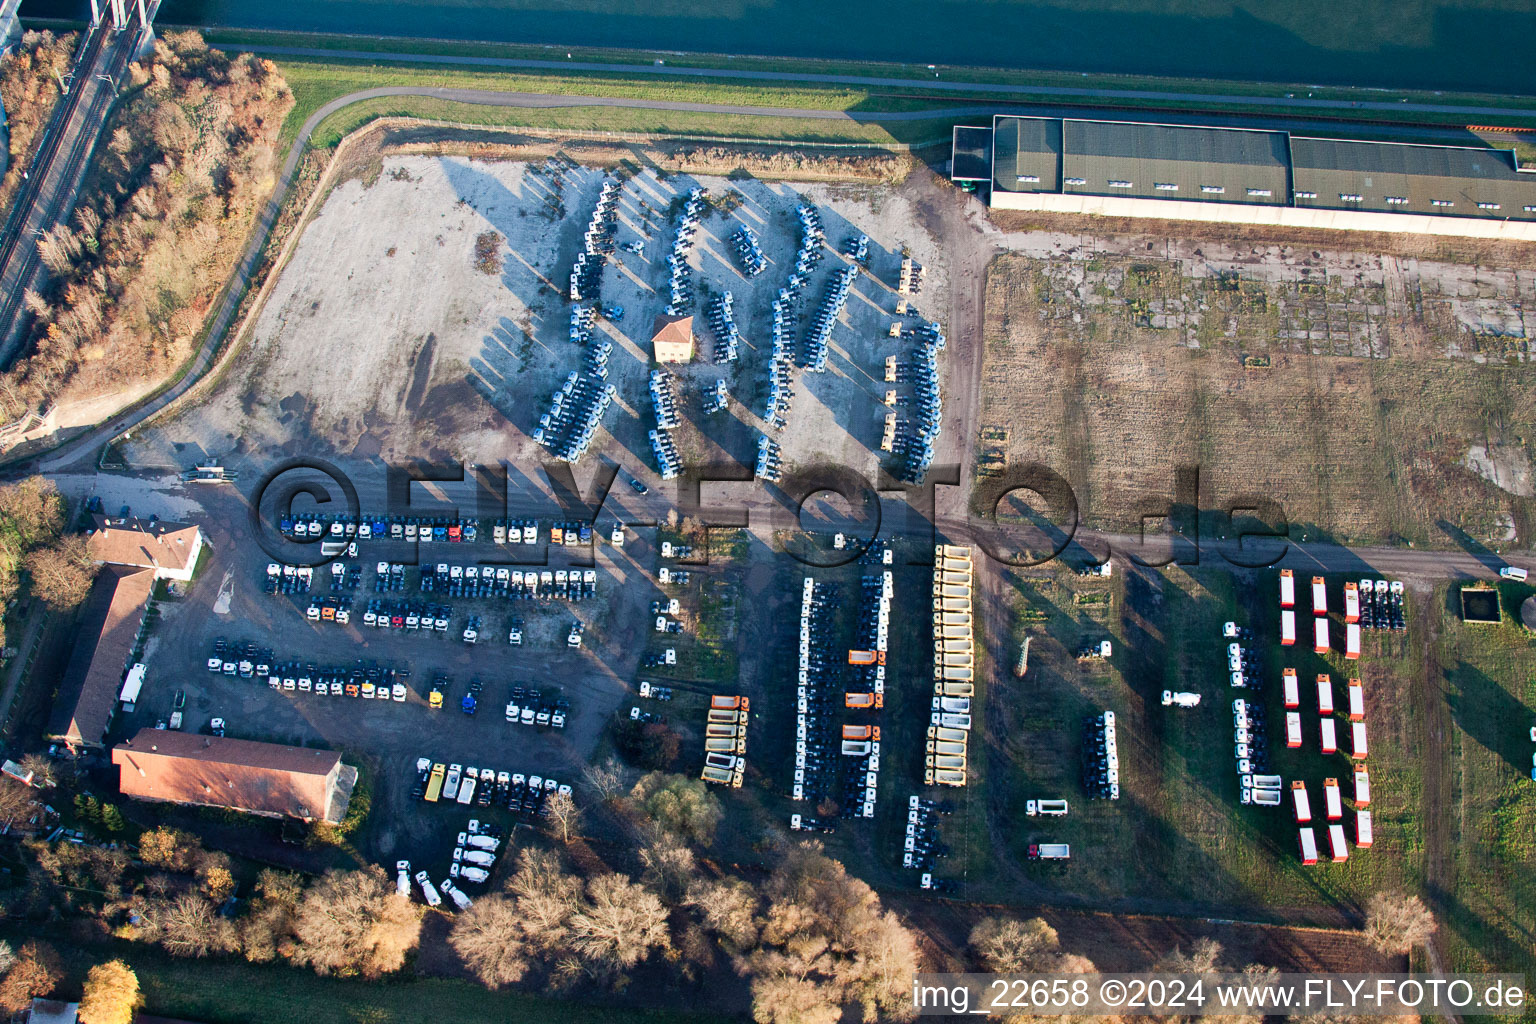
(57, 171)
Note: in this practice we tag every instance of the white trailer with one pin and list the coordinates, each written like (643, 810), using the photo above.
(1050, 851)
(1325, 694)
(1287, 588)
(1301, 803)
(1363, 837)
(1288, 627)
(1319, 596)
(1330, 736)
(1333, 805)
(1053, 808)
(1291, 687)
(1320, 642)
(1337, 847)
(1267, 797)
(1308, 843)
(1352, 641)
(1356, 701)
(1351, 602)
(1362, 786)
(1293, 729)
(1358, 747)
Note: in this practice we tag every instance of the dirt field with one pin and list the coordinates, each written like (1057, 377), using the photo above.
(382, 339)
(1115, 369)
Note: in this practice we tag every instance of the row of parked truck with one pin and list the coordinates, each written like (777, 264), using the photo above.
(344, 528)
(471, 581)
(815, 761)
(725, 740)
(721, 315)
(597, 244)
(473, 858)
(247, 661)
(1368, 604)
(1250, 747)
(954, 666)
(437, 782)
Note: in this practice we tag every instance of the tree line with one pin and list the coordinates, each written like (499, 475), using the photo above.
(190, 156)
(810, 943)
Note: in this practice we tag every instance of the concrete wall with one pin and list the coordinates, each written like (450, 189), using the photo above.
(1280, 216)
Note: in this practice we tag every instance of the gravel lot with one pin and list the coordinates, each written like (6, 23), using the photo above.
(382, 339)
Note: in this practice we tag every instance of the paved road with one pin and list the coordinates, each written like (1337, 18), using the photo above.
(934, 84)
(54, 179)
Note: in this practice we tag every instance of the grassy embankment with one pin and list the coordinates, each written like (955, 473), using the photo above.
(317, 81)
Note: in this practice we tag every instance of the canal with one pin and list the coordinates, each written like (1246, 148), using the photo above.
(1471, 45)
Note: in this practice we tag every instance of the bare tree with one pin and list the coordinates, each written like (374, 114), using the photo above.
(268, 927)
(608, 779)
(1396, 922)
(503, 936)
(41, 767)
(111, 994)
(784, 997)
(189, 926)
(491, 941)
(61, 573)
(564, 817)
(33, 973)
(620, 923)
(354, 922)
(669, 867)
(1203, 957)
(825, 942)
(729, 909)
(1009, 946)
(15, 801)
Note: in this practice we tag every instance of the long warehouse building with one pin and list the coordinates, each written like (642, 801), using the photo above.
(1248, 176)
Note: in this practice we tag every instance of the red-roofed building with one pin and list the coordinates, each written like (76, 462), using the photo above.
(214, 771)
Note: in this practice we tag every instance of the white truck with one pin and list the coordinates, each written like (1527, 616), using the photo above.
(403, 878)
(479, 858)
(428, 890)
(459, 897)
(469, 873)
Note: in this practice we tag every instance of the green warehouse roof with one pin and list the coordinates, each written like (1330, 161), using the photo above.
(1156, 161)
(1244, 166)
(1392, 177)
(1026, 154)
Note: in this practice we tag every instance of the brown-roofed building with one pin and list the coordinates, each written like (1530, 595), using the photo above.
(212, 771)
(672, 339)
(109, 627)
(171, 549)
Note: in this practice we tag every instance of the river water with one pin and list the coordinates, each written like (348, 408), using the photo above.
(1480, 45)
